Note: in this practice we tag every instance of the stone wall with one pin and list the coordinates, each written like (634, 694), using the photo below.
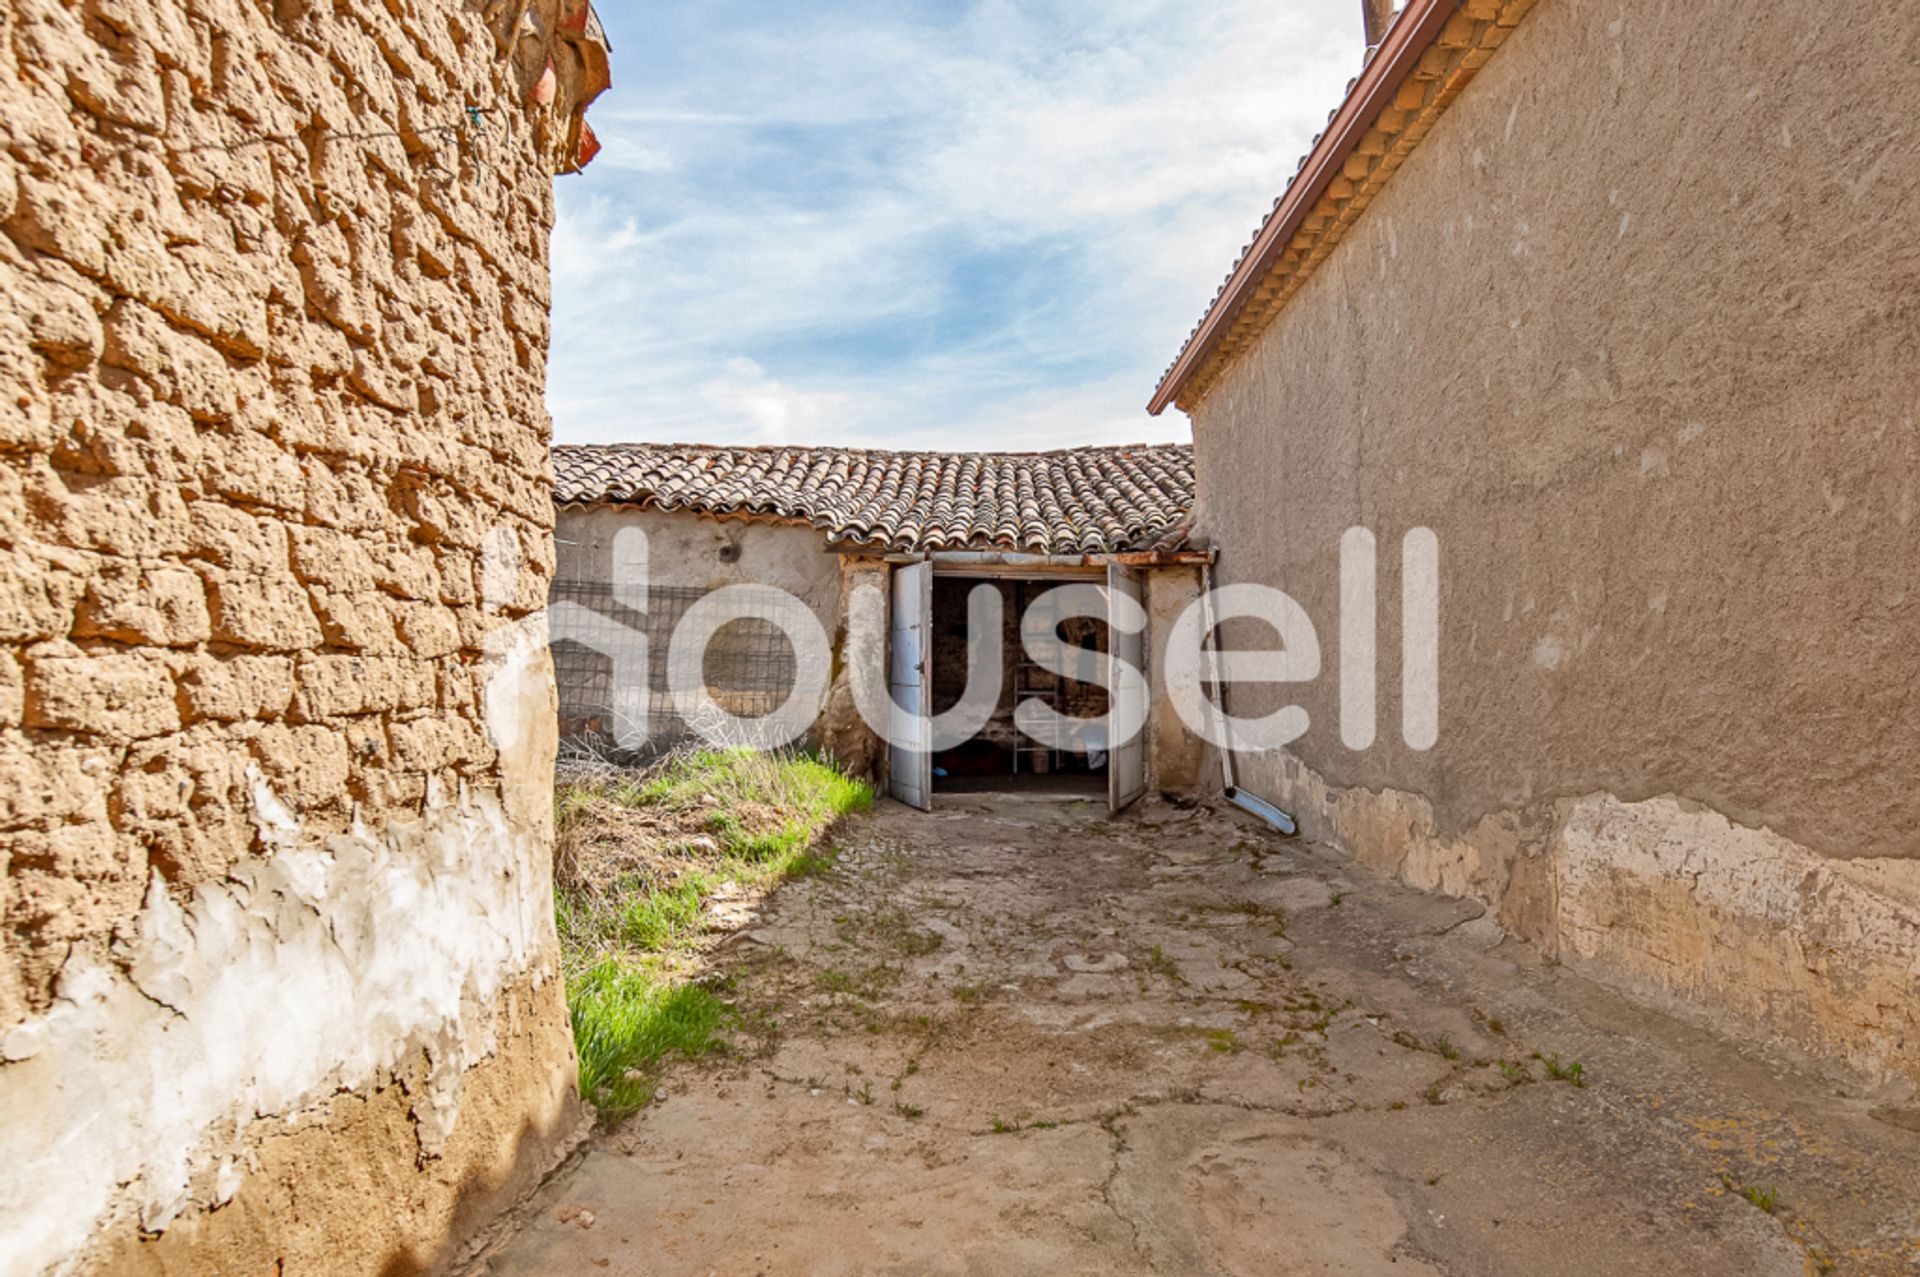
(278, 990)
(1632, 331)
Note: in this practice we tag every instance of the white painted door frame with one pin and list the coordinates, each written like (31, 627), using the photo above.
(910, 685)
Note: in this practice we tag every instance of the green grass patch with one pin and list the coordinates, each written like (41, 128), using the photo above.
(626, 1021)
(800, 785)
(640, 855)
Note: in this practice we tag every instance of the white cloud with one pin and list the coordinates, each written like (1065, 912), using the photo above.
(837, 224)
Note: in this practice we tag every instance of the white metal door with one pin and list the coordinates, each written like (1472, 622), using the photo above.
(910, 650)
(1127, 688)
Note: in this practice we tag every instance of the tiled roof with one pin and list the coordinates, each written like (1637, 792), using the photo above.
(1075, 501)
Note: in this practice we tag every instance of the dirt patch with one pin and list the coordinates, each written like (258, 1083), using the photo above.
(1016, 1036)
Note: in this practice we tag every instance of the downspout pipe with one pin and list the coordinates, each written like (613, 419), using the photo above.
(1282, 822)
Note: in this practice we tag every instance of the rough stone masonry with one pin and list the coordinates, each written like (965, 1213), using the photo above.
(279, 985)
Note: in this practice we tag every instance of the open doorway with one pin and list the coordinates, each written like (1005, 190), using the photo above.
(1099, 643)
(1000, 755)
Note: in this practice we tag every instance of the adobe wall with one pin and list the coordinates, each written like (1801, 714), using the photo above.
(1633, 331)
(280, 986)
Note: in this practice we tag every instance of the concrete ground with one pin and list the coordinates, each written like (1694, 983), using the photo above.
(1016, 1037)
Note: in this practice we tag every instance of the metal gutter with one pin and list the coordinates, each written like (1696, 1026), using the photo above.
(1410, 36)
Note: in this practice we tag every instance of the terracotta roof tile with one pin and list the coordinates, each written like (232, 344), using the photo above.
(1074, 501)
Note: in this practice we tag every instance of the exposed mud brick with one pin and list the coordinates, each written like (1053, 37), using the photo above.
(39, 587)
(333, 559)
(272, 613)
(182, 799)
(429, 744)
(357, 622)
(229, 688)
(48, 781)
(251, 468)
(65, 219)
(63, 326)
(166, 607)
(428, 629)
(181, 369)
(118, 695)
(340, 686)
(305, 765)
(272, 341)
(234, 539)
(13, 691)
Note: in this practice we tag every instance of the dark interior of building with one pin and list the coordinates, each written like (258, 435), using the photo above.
(999, 754)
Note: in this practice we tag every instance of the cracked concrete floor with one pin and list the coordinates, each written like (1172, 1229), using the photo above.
(1014, 1036)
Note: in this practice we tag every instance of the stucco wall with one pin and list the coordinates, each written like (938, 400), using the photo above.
(690, 549)
(1177, 758)
(279, 984)
(1633, 330)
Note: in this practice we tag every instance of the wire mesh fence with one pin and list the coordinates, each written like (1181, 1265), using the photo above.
(610, 663)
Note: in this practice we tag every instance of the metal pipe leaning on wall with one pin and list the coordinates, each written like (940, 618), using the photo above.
(1281, 821)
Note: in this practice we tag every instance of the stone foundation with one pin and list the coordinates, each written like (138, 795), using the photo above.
(1666, 900)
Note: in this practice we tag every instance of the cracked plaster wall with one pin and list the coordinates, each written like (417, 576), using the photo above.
(276, 715)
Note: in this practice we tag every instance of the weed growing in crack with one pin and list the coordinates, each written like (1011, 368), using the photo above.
(1575, 1073)
(1161, 965)
(1514, 1073)
(1763, 1199)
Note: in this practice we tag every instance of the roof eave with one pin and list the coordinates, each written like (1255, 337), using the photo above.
(1411, 34)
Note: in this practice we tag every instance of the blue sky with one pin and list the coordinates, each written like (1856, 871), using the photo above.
(920, 225)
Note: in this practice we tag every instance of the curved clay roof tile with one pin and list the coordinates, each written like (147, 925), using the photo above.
(1073, 501)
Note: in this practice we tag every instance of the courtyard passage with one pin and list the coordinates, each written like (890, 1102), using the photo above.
(1015, 1036)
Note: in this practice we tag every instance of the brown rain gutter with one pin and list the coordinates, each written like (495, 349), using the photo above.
(1411, 34)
